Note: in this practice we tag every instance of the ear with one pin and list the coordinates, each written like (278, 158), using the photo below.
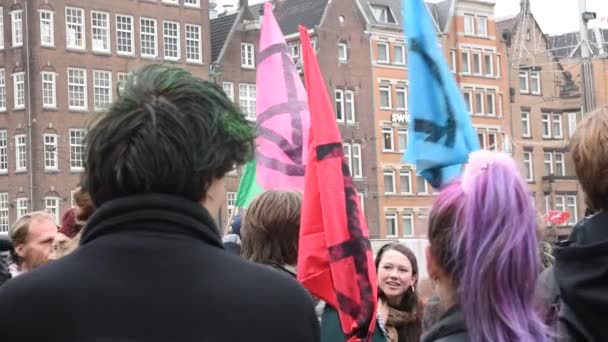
(20, 250)
(431, 264)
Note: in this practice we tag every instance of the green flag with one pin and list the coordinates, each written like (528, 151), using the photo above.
(249, 188)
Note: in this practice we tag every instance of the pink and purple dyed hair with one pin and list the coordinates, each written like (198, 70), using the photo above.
(482, 231)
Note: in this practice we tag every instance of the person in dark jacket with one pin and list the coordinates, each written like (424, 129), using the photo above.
(232, 241)
(581, 262)
(484, 255)
(151, 265)
(5, 258)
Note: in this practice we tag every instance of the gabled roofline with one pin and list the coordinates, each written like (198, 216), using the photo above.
(237, 20)
(451, 13)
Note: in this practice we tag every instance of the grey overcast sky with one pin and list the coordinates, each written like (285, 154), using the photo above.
(554, 16)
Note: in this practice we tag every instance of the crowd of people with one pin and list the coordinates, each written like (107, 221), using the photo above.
(141, 259)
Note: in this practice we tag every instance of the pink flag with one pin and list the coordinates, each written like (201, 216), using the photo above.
(282, 112)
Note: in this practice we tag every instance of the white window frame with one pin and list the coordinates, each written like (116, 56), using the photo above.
(490, 104)
(77, 149)
(524, 75)
(20, 153)
(477, 57)
(51, 156)
(171, 40)
(126, 35)
(82, 27)
(408, 174)
(123, 78)
(150, 37)
(51, 28)
(410, 217)
(392, 216)
(383, 14)
(247, 56)
(469, 24)
(572, 123)
(51, 206)
(468, 99)
(4, 212)
(295, 49)
(389, 131)
(342, 52)
(557, 121)
(483, 142)
(194, 45)
(390, 173)
(426, 186)
(453, 62)
(192, 3)
(546, 119)
(349, 106)
(535, 78)
(348, 156)
(51, 83)
(401, 90)
(385, 46)
(2, 89)
(466, 68)
(230, 202)
(528, 162)
(97, 30)
(525, 119)
(357, 160)
(560, 164)
(172, 2)
(84, 88)
(482, 26)
(1, 27)
(560, 203)
(490, 72)
(479, 105)
(490, 135)
(247, 99)
(99, 89)
(228, 88)
(402, 132)
(22, 206)
(340, 104)
(403, 53)
(3, 151)
(498, 65)
(19, 90)
(548, 162)
(17, 28)
(387, 88)
(573, 218)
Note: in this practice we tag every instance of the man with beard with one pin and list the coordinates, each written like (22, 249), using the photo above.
(32, 237)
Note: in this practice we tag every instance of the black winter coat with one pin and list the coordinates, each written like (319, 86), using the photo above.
(152, 268)
(450, 328)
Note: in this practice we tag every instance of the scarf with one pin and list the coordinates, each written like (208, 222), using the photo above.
(392, 320)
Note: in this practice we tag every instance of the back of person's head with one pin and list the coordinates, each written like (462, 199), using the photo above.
(589, 148)
(271, 228)
(482, 233)
(169, 133)
(85, 205)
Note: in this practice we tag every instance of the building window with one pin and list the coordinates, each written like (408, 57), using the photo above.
(488, 65)
(400, 55)
(77, 89)
(295, 49)
(247, 94)
(383, 14)
(466, 62)
(192, 3)
(148, 37)
(453, 61)
(572, 122)
(492, 142)
(22, 205)
(4, 219)
(20, 153)
(402, 133)
(560, 204)
(406, 181)
(124, 34)
(349, 105)
(51, 162)
(389, 182)
(385, 96)
(422, 186)
(546, 124)
(339, 100)
(479, 104)
(560, 167)
(548, 161)
(77, 149)
(102, 89)
(391, 225)
(47, 28)
(523, 82)
(230, 203)
(571, 207)
(357, 161)
(17, 26)
(526, 131)
(558, 129)
(477, 63)
(468, 101)
(469, 24)
(171, 40)
(123, 77)
(49, 99)
(193, 44)
(383, 53)
(401, 98)
(100, 30)
(491, 103)
(19, 89)
(247, 56)
(171, 1)
(74, 28)
(342, 53)
(528, 166)
(482, 26)
(3, 151)
(535, 83)
(408, 224)
(348, 156)
(387, 139)
(1, 27)
(2, 88)
(51, 205)
(498, 66)
(482, 140)
(229, 90)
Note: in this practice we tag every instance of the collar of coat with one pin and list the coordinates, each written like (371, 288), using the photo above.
(152, 213)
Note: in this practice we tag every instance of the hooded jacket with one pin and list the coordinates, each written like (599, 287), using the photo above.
(450, 328)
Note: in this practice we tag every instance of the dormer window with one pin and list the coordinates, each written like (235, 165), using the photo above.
(383, 14)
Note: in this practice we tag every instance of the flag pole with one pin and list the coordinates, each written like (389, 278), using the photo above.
(229, 223)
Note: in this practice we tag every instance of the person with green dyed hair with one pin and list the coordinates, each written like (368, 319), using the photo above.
(151, 265)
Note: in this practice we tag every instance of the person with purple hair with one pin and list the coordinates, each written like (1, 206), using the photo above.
(484, 256)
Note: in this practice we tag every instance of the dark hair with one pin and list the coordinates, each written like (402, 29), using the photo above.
(271, 228)
(410, 302)
(169, 132)
(83, 200)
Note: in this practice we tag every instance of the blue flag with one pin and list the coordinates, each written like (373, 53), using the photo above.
(441, 134)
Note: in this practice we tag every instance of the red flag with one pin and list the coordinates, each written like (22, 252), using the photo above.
(557, 217)
(335, 261)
